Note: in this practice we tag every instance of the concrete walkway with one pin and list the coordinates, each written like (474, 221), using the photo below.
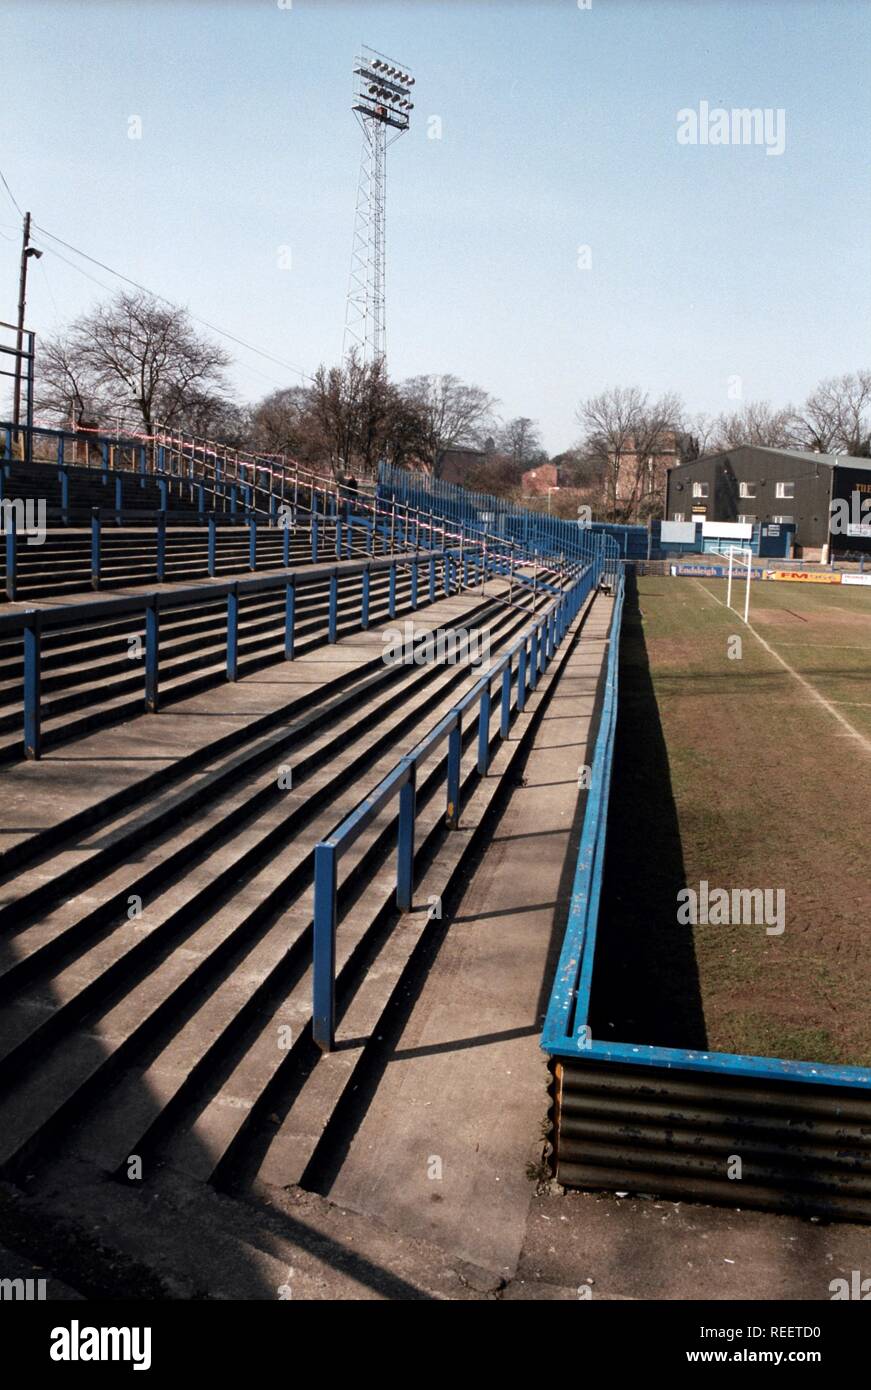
(443, 1149)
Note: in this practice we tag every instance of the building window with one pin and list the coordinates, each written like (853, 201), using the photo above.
(678, 516)
(700, 489)
(785, 490)
(747, 490)
(747, 517)
(782, 519)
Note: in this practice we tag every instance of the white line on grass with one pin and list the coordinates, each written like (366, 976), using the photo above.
(812, 691)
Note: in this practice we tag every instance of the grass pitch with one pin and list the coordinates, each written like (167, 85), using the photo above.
(729, 769)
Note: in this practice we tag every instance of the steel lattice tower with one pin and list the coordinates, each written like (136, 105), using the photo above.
(382, 104)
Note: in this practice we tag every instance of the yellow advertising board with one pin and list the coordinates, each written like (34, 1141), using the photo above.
(803, 576)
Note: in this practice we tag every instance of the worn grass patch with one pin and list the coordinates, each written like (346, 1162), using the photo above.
(728, 770)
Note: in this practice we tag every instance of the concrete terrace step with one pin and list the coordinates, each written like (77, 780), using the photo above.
(47, 802)
(192, 656)
(63, 569)
(29, 1111)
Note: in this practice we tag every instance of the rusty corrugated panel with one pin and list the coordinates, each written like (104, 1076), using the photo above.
(671, 1133)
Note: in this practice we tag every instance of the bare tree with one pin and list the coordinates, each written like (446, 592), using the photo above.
(64, 387)
(627, 438)
(136, 354)
(450, 412)
(758, 423)
(354, 407)
(520, 439)
(284, 423)
(836, 417)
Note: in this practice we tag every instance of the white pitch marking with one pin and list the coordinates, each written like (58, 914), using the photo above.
(812, 691)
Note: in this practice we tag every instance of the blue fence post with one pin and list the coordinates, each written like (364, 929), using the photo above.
(338, 539)
(285, 545)
(391, 591)
(95, 547)
(142, 463)
(201, 501)
(521, 678)
(152, 651)
(484, 731)
(334, 607)
(213, 547)
(405, 849)
(104, 454)
(161, 548)
(118, 499)
(163, 493)
(324, 952)
(533, 659)
(252, 543)
(11, 523)
(234, 499)
(32, 681)
(161, 458)
(314, 539)
(65, 495)
(505, 712)
(289, 618)
(414, 583)
(455, 751)
(364, 603)
(432, 579)
(233, 633)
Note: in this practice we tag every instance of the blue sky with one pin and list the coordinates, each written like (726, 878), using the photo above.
(558, 131)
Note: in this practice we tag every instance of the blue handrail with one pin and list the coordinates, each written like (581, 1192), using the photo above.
(534, 649)
(566, 1032)
(570, 992)
(33, 624)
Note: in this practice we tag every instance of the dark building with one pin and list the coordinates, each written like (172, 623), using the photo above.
(454, 464)
(827, 496)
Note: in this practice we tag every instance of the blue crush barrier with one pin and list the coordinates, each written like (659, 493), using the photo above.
(32, 624)
(533, 650)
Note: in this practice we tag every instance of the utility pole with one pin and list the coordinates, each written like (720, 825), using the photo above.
(26, 252)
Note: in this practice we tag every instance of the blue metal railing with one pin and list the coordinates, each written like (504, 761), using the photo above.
(32, 625)
(533, 649)
(570, 994)
(230, 478)
(566, 1031)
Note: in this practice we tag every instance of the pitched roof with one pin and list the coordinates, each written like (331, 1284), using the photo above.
(807, 455)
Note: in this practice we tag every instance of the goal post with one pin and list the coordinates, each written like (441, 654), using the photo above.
(736, 553)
